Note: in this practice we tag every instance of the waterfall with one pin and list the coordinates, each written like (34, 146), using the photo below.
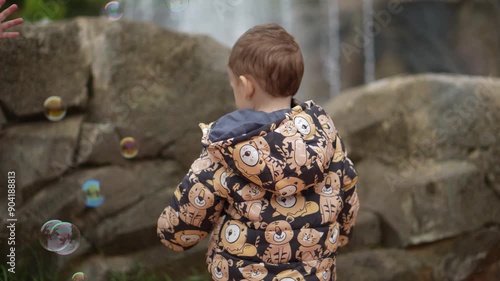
(224, 20)
(287, 16)
(333, 54)
(369, 42)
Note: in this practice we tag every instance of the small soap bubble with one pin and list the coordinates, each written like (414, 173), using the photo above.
(55, 110)
(113, 10)
(92, 190)
(177, 5)
(68, 235)
(79, 276)
(128, 147)
(45, 239)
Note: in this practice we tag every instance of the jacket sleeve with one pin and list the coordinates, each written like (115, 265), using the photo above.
(349, 212)
(194, 208)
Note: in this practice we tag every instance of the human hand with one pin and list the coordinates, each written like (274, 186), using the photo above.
(8, 24)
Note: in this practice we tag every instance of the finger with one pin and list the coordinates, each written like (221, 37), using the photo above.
(7, 12)
(11, 23)
(1, 3)
(9, 35)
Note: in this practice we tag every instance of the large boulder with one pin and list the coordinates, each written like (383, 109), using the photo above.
(472, 256)
(38, 152)
(427, 152)
(382, 265)
(156, 87)
(118, 79)
(37, 62)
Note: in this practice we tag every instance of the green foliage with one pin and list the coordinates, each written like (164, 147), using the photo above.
(35, 10)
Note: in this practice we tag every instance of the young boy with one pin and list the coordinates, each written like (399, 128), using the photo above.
(273, 181)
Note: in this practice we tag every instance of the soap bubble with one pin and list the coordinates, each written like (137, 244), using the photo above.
(68, 235)
(113, 10)
(128, 147)
(54, 108)
(92, 191)
(45, 239)
(60, 237)
(79, 276)
(178, 5)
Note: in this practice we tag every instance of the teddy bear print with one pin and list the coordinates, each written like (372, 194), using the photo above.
(293, 148)
(293, 206)
(219, 268)
(278, 234)
(324, 270)
(305, 125)
(251, 192)
(347, 180)
(200, 199)
(289, 275)
(251, 209)
(274, 165)
(249, 160)
(253, 272)
(324, 152)
(309, 249)
(290, 186)
(233, 239)
(183, 239)
(332, 240)
(330, 202)
(220, 182)
(350, 218)
(338, 154)
(327, 124)
(214, 239)
(218, 209)
(168, 219)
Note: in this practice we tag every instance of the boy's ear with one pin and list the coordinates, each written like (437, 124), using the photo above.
(248, 86)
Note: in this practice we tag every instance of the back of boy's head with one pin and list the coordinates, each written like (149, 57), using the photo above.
(271, 56)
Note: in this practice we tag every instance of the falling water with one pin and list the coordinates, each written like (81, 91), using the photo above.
(287, 15)
(333, 62)
(369, 50)
(224, 20)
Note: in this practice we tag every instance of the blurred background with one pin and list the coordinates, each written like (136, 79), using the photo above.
(412, 86)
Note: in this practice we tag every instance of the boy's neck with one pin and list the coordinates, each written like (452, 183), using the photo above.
(272, 104)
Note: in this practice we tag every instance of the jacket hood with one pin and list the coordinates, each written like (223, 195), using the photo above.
(285, 154)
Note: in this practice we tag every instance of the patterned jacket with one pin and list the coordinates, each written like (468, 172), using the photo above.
(279, 200)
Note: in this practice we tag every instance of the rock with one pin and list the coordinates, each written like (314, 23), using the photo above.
(158, 258)
(438, 116)
(472, 256)
(137, 223)
(3, 121)
(123, 189)
(99, 145)
(460, 40)
(144, 94)
(431, 202)
(386, 265)
(367, 233)
(42, 56)
(38, 152)
(428, 144)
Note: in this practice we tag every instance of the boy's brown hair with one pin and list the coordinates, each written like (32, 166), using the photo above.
(271, 56)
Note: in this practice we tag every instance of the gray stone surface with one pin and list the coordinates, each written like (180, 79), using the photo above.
(38, 152)
(383, 265)
(144, 93)
(42, 56)
(428, 145)
(367, 233)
